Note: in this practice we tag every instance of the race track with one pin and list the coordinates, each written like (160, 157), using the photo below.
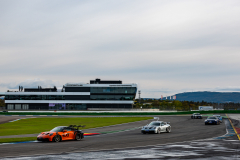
(121, 137)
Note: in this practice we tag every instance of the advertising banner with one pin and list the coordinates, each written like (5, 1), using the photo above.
(205, 108)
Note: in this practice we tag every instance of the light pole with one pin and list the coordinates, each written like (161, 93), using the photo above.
(139, 99)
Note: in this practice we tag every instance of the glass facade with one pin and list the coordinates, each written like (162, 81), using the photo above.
(96, 93)
(76, 107)
(25, 106)
(18, 106)
(57, 106)
(34, 97)
(10, 106)
(61, 97)
(114, 90)
(112, 97)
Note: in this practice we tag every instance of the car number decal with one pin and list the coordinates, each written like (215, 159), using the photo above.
(65, 135)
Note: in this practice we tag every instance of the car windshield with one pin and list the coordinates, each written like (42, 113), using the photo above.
(154, 124)
(57, 129)
(212, 117)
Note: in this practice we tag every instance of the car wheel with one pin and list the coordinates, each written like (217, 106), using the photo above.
(78, 137)
(192, 117)
(143, 132)
(57, 138)
(168, 130)
(159, 131)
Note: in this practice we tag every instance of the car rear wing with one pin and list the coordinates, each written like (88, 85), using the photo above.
(76, 127)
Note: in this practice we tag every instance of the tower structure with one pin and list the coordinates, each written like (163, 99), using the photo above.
(139, 99)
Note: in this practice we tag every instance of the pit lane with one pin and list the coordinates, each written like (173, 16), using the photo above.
(183, 129)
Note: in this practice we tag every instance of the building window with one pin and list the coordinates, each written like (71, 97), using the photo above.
(35, 97)
(121, 90)
(25, 106)
(112, 97)
(10, 106)
(18, 106)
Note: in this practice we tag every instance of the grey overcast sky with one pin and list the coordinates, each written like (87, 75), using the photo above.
(165, 46)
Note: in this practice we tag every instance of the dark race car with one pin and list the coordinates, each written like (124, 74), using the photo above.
(212, 120)
(62, 133)
(196, 116)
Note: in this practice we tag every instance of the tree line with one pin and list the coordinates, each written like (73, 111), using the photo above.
(181, 105)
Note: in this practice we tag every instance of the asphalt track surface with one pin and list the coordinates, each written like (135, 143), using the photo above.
(120, 137)
(6, 119)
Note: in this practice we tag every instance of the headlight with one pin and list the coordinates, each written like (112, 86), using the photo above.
(51, 134)
(154, 127)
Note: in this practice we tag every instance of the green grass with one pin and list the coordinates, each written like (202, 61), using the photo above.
(8, 140)
(37, 125)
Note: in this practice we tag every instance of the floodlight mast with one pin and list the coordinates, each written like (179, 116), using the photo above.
(139, 99)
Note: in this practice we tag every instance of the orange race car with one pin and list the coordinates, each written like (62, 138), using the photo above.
(62, 133)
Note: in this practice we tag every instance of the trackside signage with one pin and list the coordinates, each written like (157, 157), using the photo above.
(205, 108)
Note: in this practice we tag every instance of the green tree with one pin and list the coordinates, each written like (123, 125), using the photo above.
(155, 104)
(2, 103)
(185, 106)
(137, 105)
(177, 105)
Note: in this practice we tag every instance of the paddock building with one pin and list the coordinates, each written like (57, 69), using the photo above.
(73, 96)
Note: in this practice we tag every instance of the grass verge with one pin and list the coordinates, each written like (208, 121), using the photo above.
(37, 125)
(23, 139)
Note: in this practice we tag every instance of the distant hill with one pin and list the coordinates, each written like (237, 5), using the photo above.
(217, 97)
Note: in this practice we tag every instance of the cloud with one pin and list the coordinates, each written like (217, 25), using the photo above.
(164, 46)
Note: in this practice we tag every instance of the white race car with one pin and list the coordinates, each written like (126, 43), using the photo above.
(156, 127)
(196, 116)
(219, 117)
